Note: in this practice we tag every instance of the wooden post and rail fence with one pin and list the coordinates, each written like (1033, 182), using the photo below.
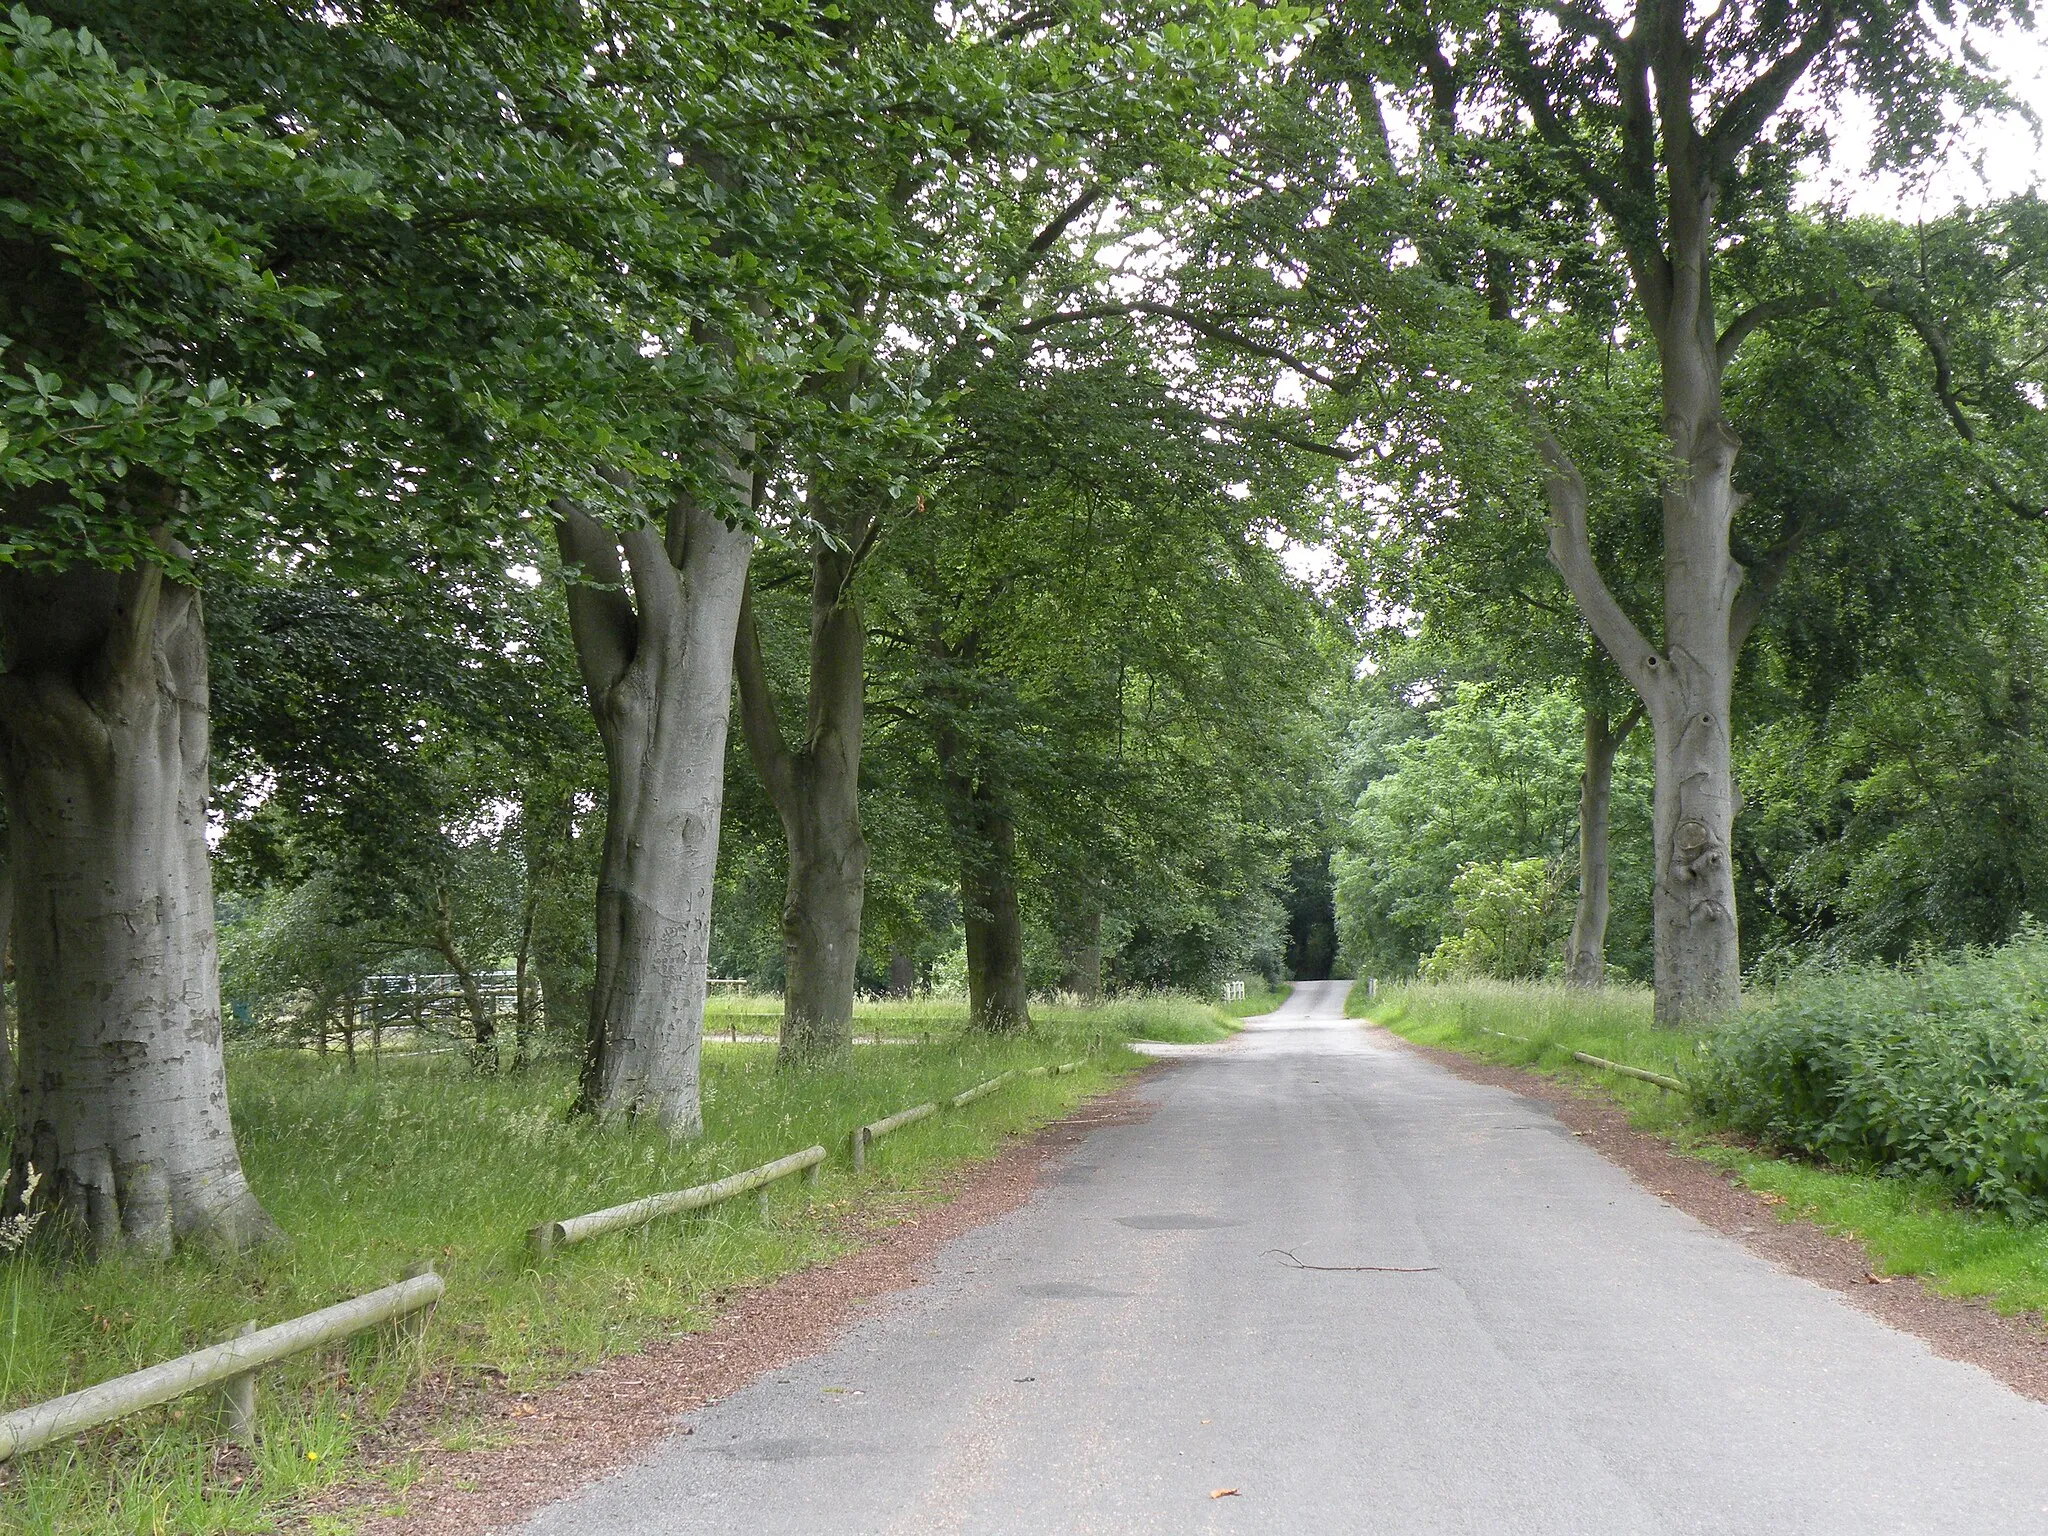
(230, 1367)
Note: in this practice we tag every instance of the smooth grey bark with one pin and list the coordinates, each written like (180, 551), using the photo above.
(1681, 137)
(1687, 685)
(103, 764)
(653, 613)
(815, 788)
(1586, 950)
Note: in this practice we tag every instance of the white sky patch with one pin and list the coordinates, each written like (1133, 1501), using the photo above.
(1991, 158)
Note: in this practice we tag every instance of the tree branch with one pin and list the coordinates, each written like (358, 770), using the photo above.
(602, 622)
(1763, 579)
(1571, 551)
(1744, 325)
(1744, 117)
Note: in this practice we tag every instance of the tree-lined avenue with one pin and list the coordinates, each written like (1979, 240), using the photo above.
(1546, 1347)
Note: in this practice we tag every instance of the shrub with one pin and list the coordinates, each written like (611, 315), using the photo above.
(1938, 1071)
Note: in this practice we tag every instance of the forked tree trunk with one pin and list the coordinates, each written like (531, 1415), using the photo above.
(103, 760)
(1686, 687)
(657, 662)
(815, 789)
(1586, 950)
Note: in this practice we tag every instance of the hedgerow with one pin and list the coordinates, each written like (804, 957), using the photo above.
(1937, 1071)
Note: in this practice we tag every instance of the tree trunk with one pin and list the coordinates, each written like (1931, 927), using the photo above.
(1083, 957)
(103, 762)
(996, 999)
(6, 973)
(902, 973)
(816, 793)
(1586, 950)
(1686, 687)
(522, 1003)
(658, 666)
(483, 1021)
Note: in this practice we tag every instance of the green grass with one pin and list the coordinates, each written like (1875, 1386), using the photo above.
(1173, 1016)
(1176, 1016)
(1910, 1226)
(368, 1172)
(1259, 997)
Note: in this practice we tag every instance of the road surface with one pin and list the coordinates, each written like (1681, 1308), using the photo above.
(1571, 1355)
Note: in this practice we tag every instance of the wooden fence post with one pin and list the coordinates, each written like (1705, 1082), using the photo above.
(235, 1403)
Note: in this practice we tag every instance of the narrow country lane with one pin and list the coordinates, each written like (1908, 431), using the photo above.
(1572, 1356)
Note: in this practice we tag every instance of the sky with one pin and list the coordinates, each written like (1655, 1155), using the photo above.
(1995, 157)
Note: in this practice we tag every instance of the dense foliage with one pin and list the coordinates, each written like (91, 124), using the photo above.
(1937, 1071)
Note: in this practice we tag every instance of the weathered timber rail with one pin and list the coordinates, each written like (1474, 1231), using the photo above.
(634, 1213)
(1640, 1074)
(865, 1136)
(230, 1366)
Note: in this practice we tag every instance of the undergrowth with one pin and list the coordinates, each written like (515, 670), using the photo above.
(369, 1171)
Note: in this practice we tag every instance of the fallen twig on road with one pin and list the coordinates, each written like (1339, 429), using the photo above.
(1375, 1269)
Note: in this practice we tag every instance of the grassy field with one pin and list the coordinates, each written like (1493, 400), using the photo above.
(372, 1170)
(1911, 1227)
(1259, 997)
(1175, 1016)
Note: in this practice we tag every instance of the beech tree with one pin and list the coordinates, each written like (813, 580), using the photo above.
(1466, 214)
(233, 342)
(1091, 636)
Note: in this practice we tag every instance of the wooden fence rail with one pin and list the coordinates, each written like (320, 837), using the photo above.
(558, 1234)
(231, 1366)
(865, 1136)
(1670, 1083)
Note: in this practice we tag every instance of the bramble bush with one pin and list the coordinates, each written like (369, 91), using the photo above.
(1937, 1071)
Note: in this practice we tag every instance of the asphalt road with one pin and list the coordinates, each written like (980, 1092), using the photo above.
(1574, 1357)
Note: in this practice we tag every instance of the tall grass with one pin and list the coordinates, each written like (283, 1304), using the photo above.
(1260, 996)
(369, 1171)
(1180, 1016)
(1550, 1020)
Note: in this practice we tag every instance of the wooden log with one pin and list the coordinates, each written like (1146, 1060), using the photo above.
(26, 1428)
(235, 1406)
(979, 1090)
(558, 1234)
(1638, 1073)
(867, 1135)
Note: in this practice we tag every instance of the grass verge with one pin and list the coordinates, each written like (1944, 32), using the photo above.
(369, 1171)
(1910, 1227)
(1259, 997)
